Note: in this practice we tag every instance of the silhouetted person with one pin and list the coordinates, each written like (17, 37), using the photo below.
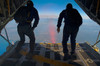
(24, 24)
(72, 20)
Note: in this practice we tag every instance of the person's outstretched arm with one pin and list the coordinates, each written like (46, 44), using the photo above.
(59, 21)
(36, 17)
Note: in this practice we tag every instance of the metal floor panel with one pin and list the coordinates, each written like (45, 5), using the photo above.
(54, 53)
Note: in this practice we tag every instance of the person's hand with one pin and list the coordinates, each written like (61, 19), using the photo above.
(33, 28)
(16, 21)
(58, 30)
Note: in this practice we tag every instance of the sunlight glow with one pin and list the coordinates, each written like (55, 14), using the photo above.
(52, 32)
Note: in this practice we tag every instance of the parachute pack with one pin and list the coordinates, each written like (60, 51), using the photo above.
(21, 15)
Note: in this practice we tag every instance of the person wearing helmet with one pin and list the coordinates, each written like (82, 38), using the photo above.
(72, 21)
(24, 25)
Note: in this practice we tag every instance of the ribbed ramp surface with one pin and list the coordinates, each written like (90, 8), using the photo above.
(49, 54)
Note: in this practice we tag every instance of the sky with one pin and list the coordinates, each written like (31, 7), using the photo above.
(52, 8)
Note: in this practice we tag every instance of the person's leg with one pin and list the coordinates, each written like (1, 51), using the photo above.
(73, 40)
(32, 41)
(22, 39)
(66, 34)
(31, 36)
(64, 43)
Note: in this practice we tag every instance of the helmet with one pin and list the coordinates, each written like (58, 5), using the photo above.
(69, 6)
(30, 3)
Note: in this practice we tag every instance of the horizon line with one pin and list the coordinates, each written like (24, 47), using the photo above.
(56, 16)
